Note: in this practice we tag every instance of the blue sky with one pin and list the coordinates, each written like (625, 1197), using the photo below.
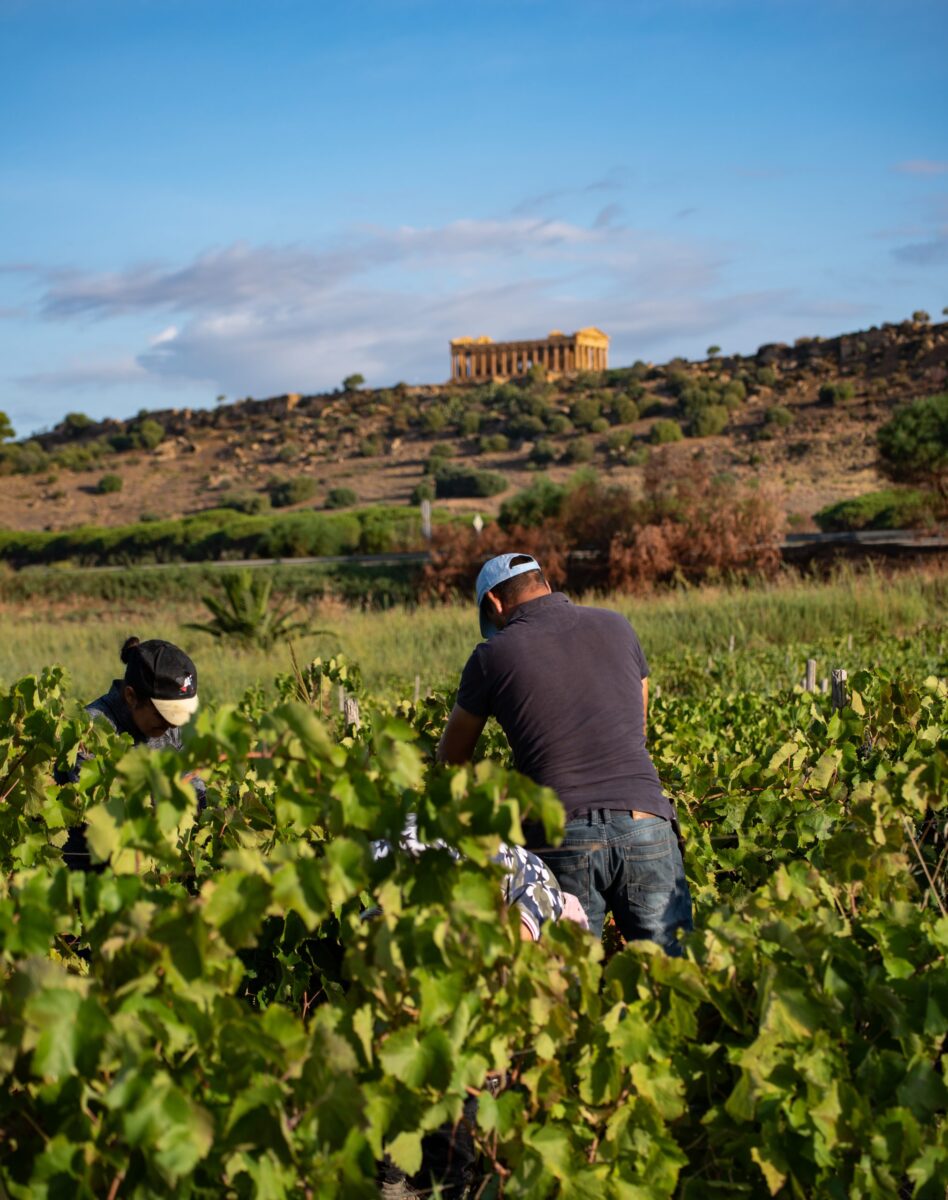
(203, 197)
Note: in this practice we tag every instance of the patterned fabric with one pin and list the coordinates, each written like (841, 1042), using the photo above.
(528, 883)
(531, 886)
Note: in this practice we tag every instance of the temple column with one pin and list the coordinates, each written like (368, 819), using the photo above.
(493, 363)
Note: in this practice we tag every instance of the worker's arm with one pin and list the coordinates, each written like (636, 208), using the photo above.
(460, 737)
(645, 706)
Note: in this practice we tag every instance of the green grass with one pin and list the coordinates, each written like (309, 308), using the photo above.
(686, 636)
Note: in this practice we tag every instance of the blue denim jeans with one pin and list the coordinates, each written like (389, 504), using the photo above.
(628, 866)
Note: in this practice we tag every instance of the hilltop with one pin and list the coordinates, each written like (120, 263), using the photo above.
(804, 417)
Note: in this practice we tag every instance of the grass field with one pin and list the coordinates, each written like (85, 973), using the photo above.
(686, 635)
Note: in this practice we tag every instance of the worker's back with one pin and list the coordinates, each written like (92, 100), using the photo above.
(565, 683)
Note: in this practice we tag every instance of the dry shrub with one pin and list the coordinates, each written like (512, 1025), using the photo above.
(457, 553)
(689, 524)
(593, 513)
(697, 525)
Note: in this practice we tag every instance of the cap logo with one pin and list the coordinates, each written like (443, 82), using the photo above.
(185, 684)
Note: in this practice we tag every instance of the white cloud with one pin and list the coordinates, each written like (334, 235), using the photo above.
(922, 166)
(259, 320)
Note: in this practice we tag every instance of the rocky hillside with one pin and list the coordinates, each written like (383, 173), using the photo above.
(804, 417)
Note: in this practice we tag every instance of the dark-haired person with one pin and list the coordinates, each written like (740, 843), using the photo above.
(155, 697)
(568, 685)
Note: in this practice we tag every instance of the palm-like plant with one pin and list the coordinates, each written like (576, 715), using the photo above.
(244, 615)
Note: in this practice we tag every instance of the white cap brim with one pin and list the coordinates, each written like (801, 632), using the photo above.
(177, 712)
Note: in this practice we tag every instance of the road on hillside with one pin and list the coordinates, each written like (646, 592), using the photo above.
(794, 547)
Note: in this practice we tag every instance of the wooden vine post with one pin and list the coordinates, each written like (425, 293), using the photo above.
(839, 687)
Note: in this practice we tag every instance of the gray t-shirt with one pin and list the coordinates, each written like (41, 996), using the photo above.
(565, 683)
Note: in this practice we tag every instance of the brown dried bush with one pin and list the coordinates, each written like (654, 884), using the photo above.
(457, 553)
(688, 524)
(698, 525)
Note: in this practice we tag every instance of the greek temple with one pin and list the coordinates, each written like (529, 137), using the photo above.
(482, 358)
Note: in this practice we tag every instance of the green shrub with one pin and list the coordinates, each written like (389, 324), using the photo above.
(734, 394)
(625, 410)
(710, 421)
(150, 433)
(558, 424)
(538, 503)
(244, 502)
(82, 456)
(584, 411)
(834, 393)
(580, 450)
(23, 458)
(893, 508)
(779, 416)
(494, 443)
(664, 431)
(525, 426)
(340, 497)
(108, 484)
(600, 425)
(649, 404)
(766, 376)
(435, 419)
(470, 423)
(619, 441)
(288, 452)
(285, 492)
(457, 481)
(913, 445)
(438, 455)
(422, 491)
(371, 447)
(588, 379)
(543, 453)
(75, 422)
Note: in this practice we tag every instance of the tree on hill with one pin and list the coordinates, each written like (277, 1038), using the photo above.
(6, 429)
(352, 383)
(913, 446)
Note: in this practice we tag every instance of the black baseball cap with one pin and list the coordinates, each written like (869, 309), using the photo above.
(165, 675)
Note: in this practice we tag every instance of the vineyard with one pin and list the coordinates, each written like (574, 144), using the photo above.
(246, 1002)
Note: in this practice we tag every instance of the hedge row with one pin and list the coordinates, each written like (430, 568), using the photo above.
(218, 535)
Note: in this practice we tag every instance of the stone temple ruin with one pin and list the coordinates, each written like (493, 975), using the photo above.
(482, 359)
